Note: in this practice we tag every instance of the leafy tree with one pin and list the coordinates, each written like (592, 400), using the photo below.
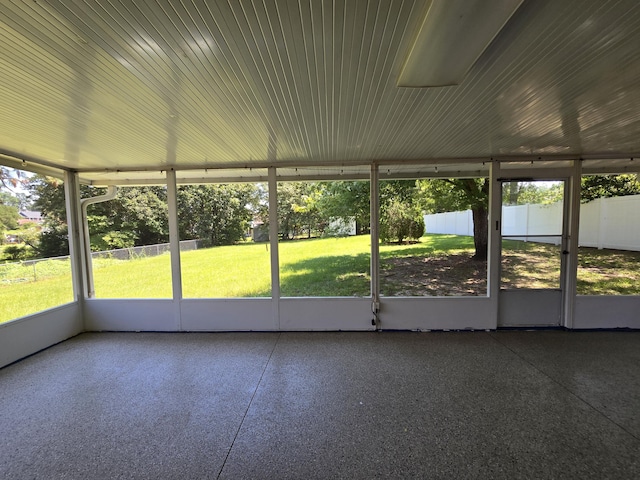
(400, 211)
(12, 199)
(347, 200)
(141, 216)
(299, 209)
(8, 217)
(289, 221)
(53, 241)
(47, 194)
(218, 214)
(598, 186)
(14, 253)
(137, 216)
(454, 194)
(404, 191)
(29, 234)
(521, 193)
(399, 221)
(11, 178)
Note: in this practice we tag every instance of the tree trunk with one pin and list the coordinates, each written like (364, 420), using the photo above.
(513, 193)
(480, 232)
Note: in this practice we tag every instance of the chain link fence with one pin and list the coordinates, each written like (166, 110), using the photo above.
(39, 269)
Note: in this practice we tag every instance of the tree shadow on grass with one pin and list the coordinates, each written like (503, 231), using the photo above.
(436, 275)
(608, 272)
(327, 276)
(431, 245)
(421, 269)
(348, 276)
(530, 265)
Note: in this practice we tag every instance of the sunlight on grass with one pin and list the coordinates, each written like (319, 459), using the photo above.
(148, 277)
(530, 265)
(223, 272)
(438, 265)
(325, 267)
(608, 272)
(20, 299)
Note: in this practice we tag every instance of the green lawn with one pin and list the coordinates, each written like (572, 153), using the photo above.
(325, 267)
(231, 271)
(437, 265)
(20, 299)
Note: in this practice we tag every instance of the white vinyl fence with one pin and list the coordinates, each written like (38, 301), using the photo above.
(604, 223)
(533, 220)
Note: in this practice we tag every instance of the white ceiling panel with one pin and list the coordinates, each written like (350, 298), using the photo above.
(106, 87)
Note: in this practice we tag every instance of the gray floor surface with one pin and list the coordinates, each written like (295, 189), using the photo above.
(507, 404)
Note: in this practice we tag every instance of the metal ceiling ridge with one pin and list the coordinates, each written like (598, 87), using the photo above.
(298, 164)
(25, 161)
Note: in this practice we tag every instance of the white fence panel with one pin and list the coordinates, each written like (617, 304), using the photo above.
(456, 223)
(515, 220)
(604, 223)
(545, 219)
(533, 220)
(611, 223)
(590, 224)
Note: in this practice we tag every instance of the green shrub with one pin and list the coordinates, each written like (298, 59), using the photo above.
(15, 253)
(399, 222)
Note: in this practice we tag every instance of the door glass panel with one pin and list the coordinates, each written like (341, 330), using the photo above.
(531, 234)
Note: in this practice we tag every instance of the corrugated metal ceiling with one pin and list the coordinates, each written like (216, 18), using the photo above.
(120, 90)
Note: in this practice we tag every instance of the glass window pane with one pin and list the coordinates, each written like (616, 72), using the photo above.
(433, 236)
(609, 253)
(129, 238)
(324, 241)
(224, 233)
(35, 271)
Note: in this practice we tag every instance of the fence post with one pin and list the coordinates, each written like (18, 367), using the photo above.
(602, 222)
(526, 225)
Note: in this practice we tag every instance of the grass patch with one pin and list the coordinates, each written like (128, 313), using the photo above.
(20, 299)
(142, 277)
(438, 265)
(325, 267)
(242, 270)
(30, 271)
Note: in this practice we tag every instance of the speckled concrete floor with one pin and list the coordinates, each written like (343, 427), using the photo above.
(325, 405)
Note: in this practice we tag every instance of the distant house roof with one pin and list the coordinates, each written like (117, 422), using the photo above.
(31, 215)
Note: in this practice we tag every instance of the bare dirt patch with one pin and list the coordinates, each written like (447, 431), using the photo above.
(434, 276)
